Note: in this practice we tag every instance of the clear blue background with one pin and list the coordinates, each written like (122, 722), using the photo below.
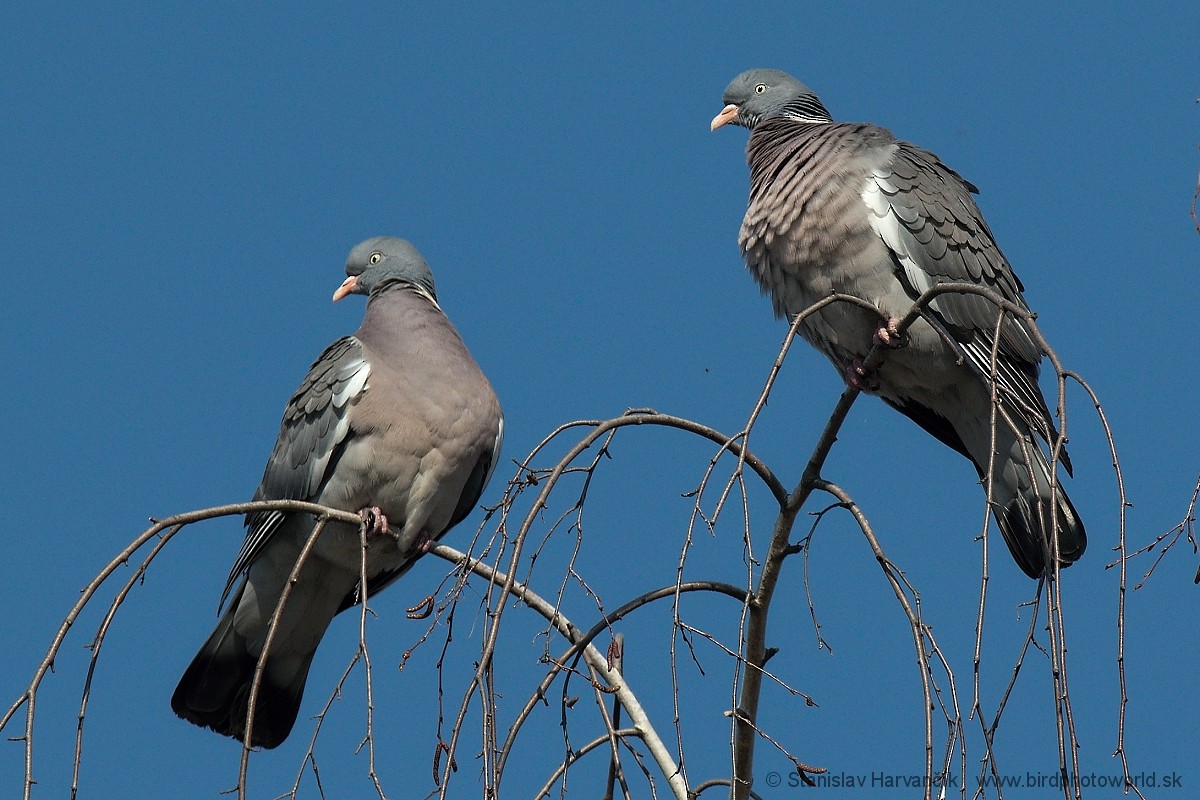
(181, 186)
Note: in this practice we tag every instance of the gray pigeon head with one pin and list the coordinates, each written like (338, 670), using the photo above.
(382, 260)
(759, 94)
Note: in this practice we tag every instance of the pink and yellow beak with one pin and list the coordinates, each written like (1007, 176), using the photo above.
(346, 288)
(728, 114)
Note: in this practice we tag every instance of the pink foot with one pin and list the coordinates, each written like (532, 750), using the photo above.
(860, 377)
(375, 521)
(889, 335)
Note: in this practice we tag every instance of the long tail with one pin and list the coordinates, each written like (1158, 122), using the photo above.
(1024, 498)
(214, 691)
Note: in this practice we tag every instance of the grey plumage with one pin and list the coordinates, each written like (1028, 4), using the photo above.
(397, 417)
(848, 208)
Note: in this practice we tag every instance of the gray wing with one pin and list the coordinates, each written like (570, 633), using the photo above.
(315, 424)
(924, 212)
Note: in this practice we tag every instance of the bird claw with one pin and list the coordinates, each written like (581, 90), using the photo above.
(375, 521)
(889, 335)
(861, 378)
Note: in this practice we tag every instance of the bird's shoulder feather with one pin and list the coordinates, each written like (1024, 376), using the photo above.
(316, 422)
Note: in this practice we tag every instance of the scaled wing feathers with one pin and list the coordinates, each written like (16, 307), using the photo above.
(925, 214)
(315, 424)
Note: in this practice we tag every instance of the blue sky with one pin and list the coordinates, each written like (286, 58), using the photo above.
(181, 189)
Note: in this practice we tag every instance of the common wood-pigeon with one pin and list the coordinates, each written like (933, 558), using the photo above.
(396, 422)
(838, 207)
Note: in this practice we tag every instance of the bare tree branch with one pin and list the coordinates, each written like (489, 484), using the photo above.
(1195, 198)
(172, 525)
(638, 717)
(627, 728)
(260, 667)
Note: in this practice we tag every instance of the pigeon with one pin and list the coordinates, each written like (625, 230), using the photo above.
(840, 207)
(396, 422)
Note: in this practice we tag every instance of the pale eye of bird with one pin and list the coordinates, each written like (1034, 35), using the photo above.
(376, 257)
(762, 87)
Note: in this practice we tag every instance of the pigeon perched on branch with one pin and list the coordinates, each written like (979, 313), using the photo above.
(838, 207)
(396, 422)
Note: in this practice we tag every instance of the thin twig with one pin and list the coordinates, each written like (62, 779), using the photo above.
(576, 648)
(369, 737)
(172, 525)
(261, 666)
(629, 701)
(1122, 505)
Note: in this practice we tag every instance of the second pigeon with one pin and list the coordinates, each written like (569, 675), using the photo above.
(396, 422)
(839, 207)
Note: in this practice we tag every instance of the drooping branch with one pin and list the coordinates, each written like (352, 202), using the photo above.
(1195, 198)
(598, 430)
(94, 658)
(165, 528)
(764, 571)
(261, 666)
(573, 652)
(1122, 557)
(640, 721)
(779, 548)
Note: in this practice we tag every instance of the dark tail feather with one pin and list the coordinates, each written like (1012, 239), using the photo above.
(1028, 539)
(215, 689)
